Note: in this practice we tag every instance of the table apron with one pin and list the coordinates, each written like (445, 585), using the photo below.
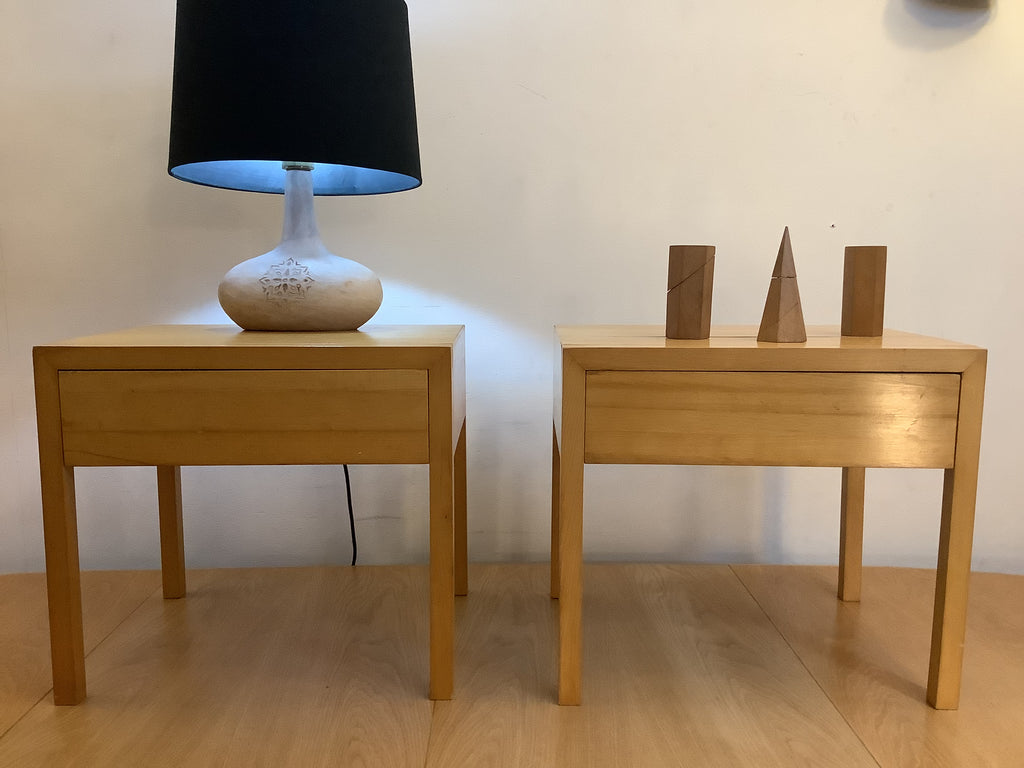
(816, 419)
(234, 417)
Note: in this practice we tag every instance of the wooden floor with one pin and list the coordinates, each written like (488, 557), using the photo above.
(684, 665)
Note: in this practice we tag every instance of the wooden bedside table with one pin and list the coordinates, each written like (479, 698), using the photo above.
(628, 395)
(178, 395)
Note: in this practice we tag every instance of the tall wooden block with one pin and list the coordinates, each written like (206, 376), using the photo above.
(691, 271)
(863, 290)
(783, 318)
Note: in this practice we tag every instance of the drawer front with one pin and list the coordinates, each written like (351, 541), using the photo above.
(244, 417)
(771, 418)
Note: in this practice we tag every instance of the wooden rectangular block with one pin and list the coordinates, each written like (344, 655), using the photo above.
(863, 290)
(691, 270)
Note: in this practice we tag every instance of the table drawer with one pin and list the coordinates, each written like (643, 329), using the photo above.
(771, 418)
(244, 417)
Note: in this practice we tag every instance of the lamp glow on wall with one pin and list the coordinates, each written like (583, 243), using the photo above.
(304, 97)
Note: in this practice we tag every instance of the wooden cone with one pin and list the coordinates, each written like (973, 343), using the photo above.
(783, 318)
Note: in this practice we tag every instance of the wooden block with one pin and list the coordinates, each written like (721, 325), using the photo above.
(863, 290)
(691, 270)
(783, 317)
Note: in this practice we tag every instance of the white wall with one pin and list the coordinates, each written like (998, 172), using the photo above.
(565, 146)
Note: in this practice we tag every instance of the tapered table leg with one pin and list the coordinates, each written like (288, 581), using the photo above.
(570, 592)
(442, 579)
(570, 536)
(60, 537)
(442, 533)
(172, 546)
(554, 514)
(461, 543)
(956, 538)
(851, 534)
(949, 623)
(63, 584)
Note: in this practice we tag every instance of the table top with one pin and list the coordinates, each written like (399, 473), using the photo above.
(233, 336)
(645, 347)
(740, 336)
(228, 346)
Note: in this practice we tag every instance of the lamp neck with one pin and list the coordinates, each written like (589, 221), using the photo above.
(299, 214)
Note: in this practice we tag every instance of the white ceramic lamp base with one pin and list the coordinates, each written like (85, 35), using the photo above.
(300, 285)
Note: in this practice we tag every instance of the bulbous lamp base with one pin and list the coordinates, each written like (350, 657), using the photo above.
(300, 286)
(280, 291)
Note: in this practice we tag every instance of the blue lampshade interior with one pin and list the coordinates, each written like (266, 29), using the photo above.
(268, 176)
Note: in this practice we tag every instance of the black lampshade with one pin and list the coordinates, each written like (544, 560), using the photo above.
(261, 82)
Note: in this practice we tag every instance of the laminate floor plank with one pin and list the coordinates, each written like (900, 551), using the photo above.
(702, 665)
(681, 667)
(108, 597)
(255, 667)
(871, 658)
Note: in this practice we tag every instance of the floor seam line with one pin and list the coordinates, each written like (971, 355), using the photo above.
(127, 616)
(25, 714)
(803, 664)
(430, 733)
(85, 656)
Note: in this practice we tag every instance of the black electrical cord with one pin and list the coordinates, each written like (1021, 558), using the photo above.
(351, 514)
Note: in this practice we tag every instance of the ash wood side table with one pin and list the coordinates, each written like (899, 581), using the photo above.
(175, 395)
(628, 395)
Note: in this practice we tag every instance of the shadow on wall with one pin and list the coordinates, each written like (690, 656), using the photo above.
(931, 24)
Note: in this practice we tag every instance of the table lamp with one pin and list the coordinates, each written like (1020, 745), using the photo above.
(304, 97)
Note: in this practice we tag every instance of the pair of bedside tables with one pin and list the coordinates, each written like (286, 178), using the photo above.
(172, 396)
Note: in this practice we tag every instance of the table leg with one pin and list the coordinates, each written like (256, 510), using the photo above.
(461, 544)
(570, 582)
(442, 535)
(172, 546)
(554, 513)
(570, 535)
(956, 538)
(851, 533)
(60, 540)
(63, 583)
(949, 623)
(442, 579)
